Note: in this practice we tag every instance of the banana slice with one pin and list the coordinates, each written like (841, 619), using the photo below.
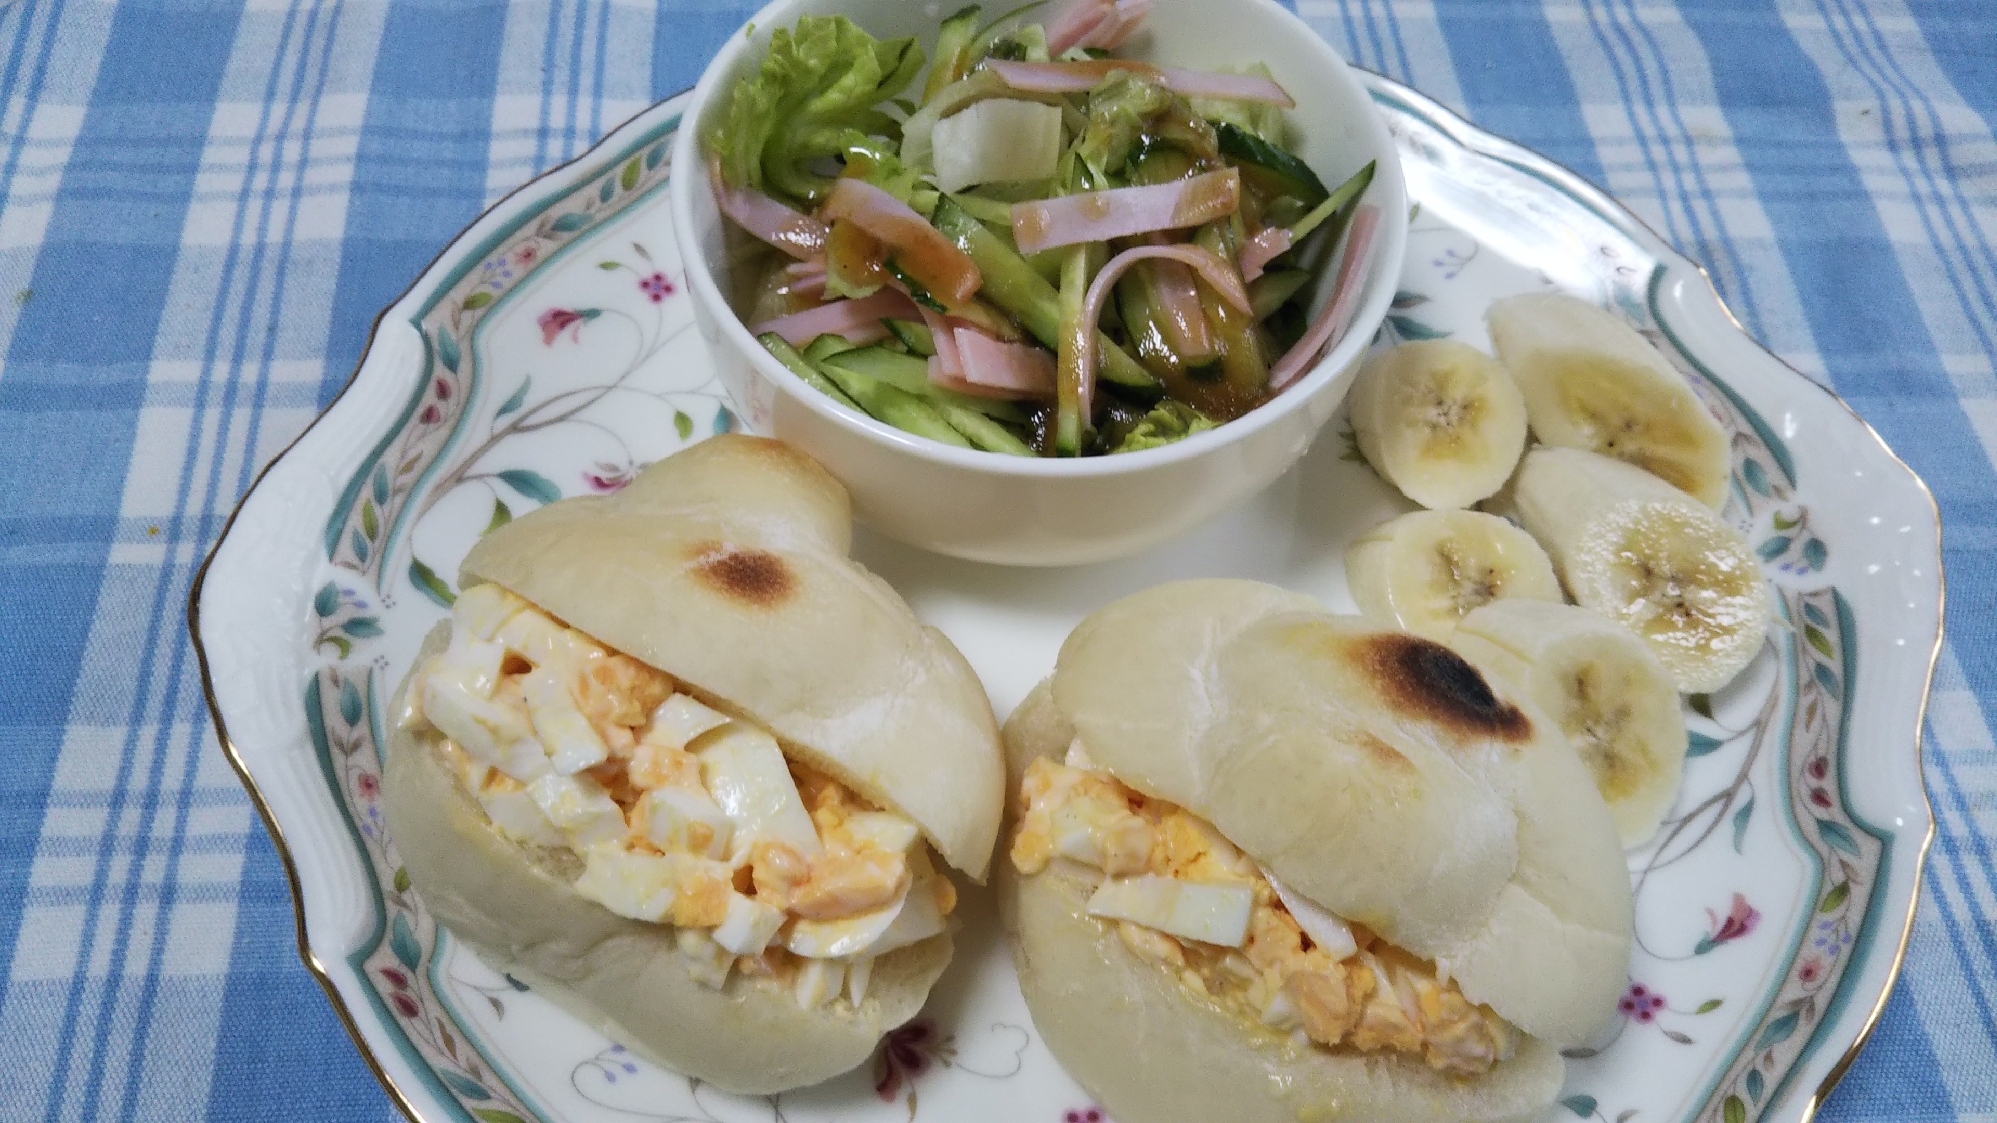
(1424, 570)
(1439, 420)
(1591, 382)
(1603, 687)
(1649, 557)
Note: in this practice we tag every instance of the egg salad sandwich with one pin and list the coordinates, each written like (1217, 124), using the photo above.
(679, 764)
(1267, 863)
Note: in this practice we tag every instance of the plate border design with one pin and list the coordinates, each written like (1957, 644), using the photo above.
(366, 488)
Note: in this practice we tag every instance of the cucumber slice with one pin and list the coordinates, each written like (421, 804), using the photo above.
(798, 365)
(983, 432)
(913, 336)
(895, 406)
(1272, 289)
(1283, 173)
(911, 375)
(827, 345)
(954, 41)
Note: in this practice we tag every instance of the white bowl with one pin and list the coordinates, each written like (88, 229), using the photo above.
(1019, 511)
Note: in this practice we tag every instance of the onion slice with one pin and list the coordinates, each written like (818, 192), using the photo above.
(1018, 369)
(858, 320)
(1330, 325)
(1075, 77)
(1098, 216)
(1211, 268)
(1263, 248)
(798, 235)
(920, 249)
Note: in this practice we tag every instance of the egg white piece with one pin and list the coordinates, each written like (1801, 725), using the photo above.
(848, 935)
(515, 813)
(883, 830)
(749, 927)
(744, 771)
(818, 982)
(1325, 929)
(1207, 912)
(580, 807)
(483, 609)
(669, 814)
(481, 727)
(707, 961)
(572, 741)
(679, 719)
(640, 886)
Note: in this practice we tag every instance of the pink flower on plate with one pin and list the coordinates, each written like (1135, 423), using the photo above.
(1641, 1003)
(557, 320)
(908, 1053)
(368, 785)
(606, 478)
(656, 286)
(404, 1005)
(1811, 970)
(526, 255)
(1083, 1115)
(1739, 921)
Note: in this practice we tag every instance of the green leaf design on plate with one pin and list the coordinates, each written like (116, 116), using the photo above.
(1741, 817)
(1782, 523)
(1702, 704)
(429, 584)
(1779, 1030)
(477, 300)
(469, 1089)
(1755, 475)
(1406, 299)
(360, 546)
(370, 525)
(654, 154)
(1835, 897)
(531, 484)
(724, 421)
(1826, 679)
(1819, 640)
(402, 941)
(327, 600)
(629, 177)
(1709, 1005)
(1815, 615)
(1815, 553)
(682, 424)
(604, 192)
(1698, 744)
(341, 644)
(1407, 327)
(381, 485)
(1755, 1084)
(607, 266)
(494, 1115)
(362, 627)
(501, 515)
(350, 704)
(447, 348)
(1773, 548)
(569, 223)
(1838, 837)
(401, 880)
(519, 397)
(1583, 1106)
(1734, 1110)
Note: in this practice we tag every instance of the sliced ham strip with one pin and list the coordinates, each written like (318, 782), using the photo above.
(1123, 22)
(1175, 308)
(858, 320)
(1330, 325)
(798, 235)
(1075, 77)
(1211, 268)
(1263, 248)
(1019, 369)
(966, 386)
(943, 335)
(1097, 216)
(1072, 25)
(919, 249)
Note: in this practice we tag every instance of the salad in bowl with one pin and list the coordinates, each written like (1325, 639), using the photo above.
(1019, 238)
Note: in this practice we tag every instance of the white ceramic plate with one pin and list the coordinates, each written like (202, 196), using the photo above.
(547, 353)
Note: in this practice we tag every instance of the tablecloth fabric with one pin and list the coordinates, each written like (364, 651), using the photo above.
(204, 203)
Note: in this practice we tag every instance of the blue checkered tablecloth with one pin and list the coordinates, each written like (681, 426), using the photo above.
(204, 203)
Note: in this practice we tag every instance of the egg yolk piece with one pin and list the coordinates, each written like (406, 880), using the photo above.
(683, 815)
(1181, 895)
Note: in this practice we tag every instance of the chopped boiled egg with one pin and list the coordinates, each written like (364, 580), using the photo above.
(749, 926)
(483, 609)
(513, 810)
(474, 662)
(548, 645)
(859, 973)
(745, 773)
(1103, 835)
(707, 961)
(580, 807)
(640, 886)
(921, 917)
(1209, 913)
(492, 733)
(572, 742)
(882, 830)
(1324, 928)
(684, 819)
(679, 719)
(1078, 757)
(818, 982)
(849, 935)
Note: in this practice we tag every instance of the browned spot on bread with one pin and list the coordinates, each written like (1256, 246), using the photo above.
(1387, 755)
(753, 577)
(1426, 680)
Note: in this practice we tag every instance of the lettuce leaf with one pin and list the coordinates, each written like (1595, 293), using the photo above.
(1168, 421)
(817, 95)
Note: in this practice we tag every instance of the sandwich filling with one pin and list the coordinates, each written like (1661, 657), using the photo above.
(1184, 897)
(681, 815)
